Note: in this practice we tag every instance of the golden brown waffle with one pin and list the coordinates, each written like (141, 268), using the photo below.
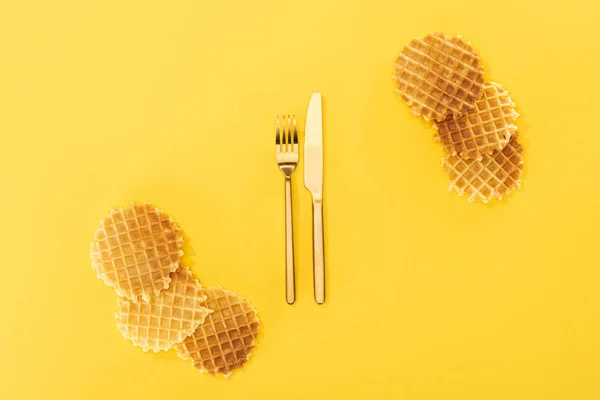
(494, 176)
(168, 317)
(487, 127)
(135, 249)
(224, 341)
(439, 76)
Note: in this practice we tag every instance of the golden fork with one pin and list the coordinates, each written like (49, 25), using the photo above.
(286, 151)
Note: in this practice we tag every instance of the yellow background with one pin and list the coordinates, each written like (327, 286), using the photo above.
(430, 297)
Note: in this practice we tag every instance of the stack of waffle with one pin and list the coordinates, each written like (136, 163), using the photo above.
(137, 250)
(441, 79)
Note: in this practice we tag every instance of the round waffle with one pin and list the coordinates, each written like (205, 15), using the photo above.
(168, 317)
(224, 341)
(487, 127)
(438, 76)
(135, 249)
(494, 176)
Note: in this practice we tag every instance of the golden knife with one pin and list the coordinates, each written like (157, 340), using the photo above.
(313, 180)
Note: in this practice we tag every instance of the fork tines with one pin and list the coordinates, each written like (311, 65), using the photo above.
(286, 134)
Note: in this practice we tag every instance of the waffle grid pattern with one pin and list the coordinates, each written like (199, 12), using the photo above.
(168, 318)
(225, 339)
(439, 76)
(488, 127)
(494, 176)
(135, 249)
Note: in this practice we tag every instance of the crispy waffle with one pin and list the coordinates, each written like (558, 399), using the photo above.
(439, 76)
(168, 317)
(135, 249)
(487, 127)
(496, 175)
(224, 341)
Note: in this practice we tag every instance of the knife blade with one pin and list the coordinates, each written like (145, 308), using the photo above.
(313, 147)
(313, 181)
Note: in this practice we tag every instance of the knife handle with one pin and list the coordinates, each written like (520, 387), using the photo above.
(318, 252)
(290, 281)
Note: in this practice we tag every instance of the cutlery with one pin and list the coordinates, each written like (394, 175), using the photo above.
(313, 180)
(286, 151)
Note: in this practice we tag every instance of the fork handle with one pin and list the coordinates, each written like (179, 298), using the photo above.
(318, 252)
(290, 281)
